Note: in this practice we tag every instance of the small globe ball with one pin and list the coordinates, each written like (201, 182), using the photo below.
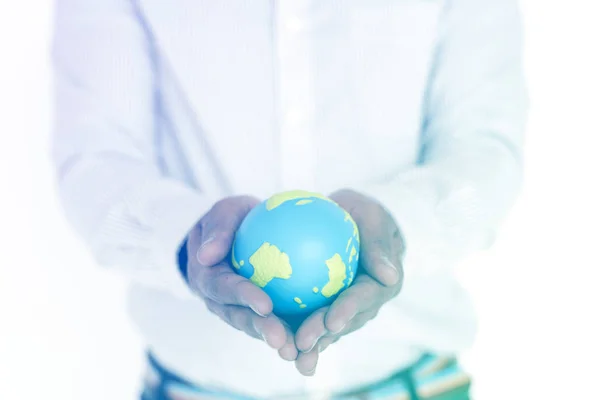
(300, 247)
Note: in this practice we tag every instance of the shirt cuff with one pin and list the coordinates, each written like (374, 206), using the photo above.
(143, 237)
(182, 259)
(433, 214)
(175, 216)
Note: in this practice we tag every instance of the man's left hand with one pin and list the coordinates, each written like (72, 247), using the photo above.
(378, 281)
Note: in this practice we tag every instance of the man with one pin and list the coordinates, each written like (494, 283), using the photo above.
(175, 118)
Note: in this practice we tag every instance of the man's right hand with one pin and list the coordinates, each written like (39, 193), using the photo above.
(230, 296)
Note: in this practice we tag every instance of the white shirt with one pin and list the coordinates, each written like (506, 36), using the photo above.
(165, 107)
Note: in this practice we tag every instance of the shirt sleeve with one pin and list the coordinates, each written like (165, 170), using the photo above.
(470, 169)
(111, 187)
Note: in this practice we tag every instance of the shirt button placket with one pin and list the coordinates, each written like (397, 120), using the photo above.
(295, 95)
(295, 65)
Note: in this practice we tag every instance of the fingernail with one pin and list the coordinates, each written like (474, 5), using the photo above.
(202, 246)
(338, 330)
(321, 347)
(288, 353)
(313, 345)
(392, 271)
(207, 241)
(255, 310)
(311, 372)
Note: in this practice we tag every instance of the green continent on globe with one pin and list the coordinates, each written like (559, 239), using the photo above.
(298, 300)
(278, 199)
(337, 276)
(355, 231)
(352, 254)
(269, 263)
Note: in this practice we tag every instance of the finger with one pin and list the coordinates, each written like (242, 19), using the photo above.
(356, 323)
(269, 329)
(233, 316)
(327, 341)
(218, 228)
(381, 243)
(272, 330)
(363, 295)
(222, 285)
(306, 363)
(289, 352)
(311, 330)
(377, 262)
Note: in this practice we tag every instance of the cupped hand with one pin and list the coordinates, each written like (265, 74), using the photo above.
(233, 298)
(379, 280)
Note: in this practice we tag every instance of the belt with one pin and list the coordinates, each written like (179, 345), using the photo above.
(431, 378)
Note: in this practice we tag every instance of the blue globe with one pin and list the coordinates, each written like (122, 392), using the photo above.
(300, 247)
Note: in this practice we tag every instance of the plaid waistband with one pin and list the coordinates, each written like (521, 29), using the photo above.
(431, 378)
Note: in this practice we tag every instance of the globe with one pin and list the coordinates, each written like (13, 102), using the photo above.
(300, 247)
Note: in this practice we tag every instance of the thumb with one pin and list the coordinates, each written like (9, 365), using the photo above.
(381, 247)
(218, 228)
(379, 250)
(378, 262)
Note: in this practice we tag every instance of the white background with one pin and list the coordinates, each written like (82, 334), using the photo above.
(64, 333)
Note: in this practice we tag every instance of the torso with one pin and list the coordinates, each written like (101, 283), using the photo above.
(314, 95)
